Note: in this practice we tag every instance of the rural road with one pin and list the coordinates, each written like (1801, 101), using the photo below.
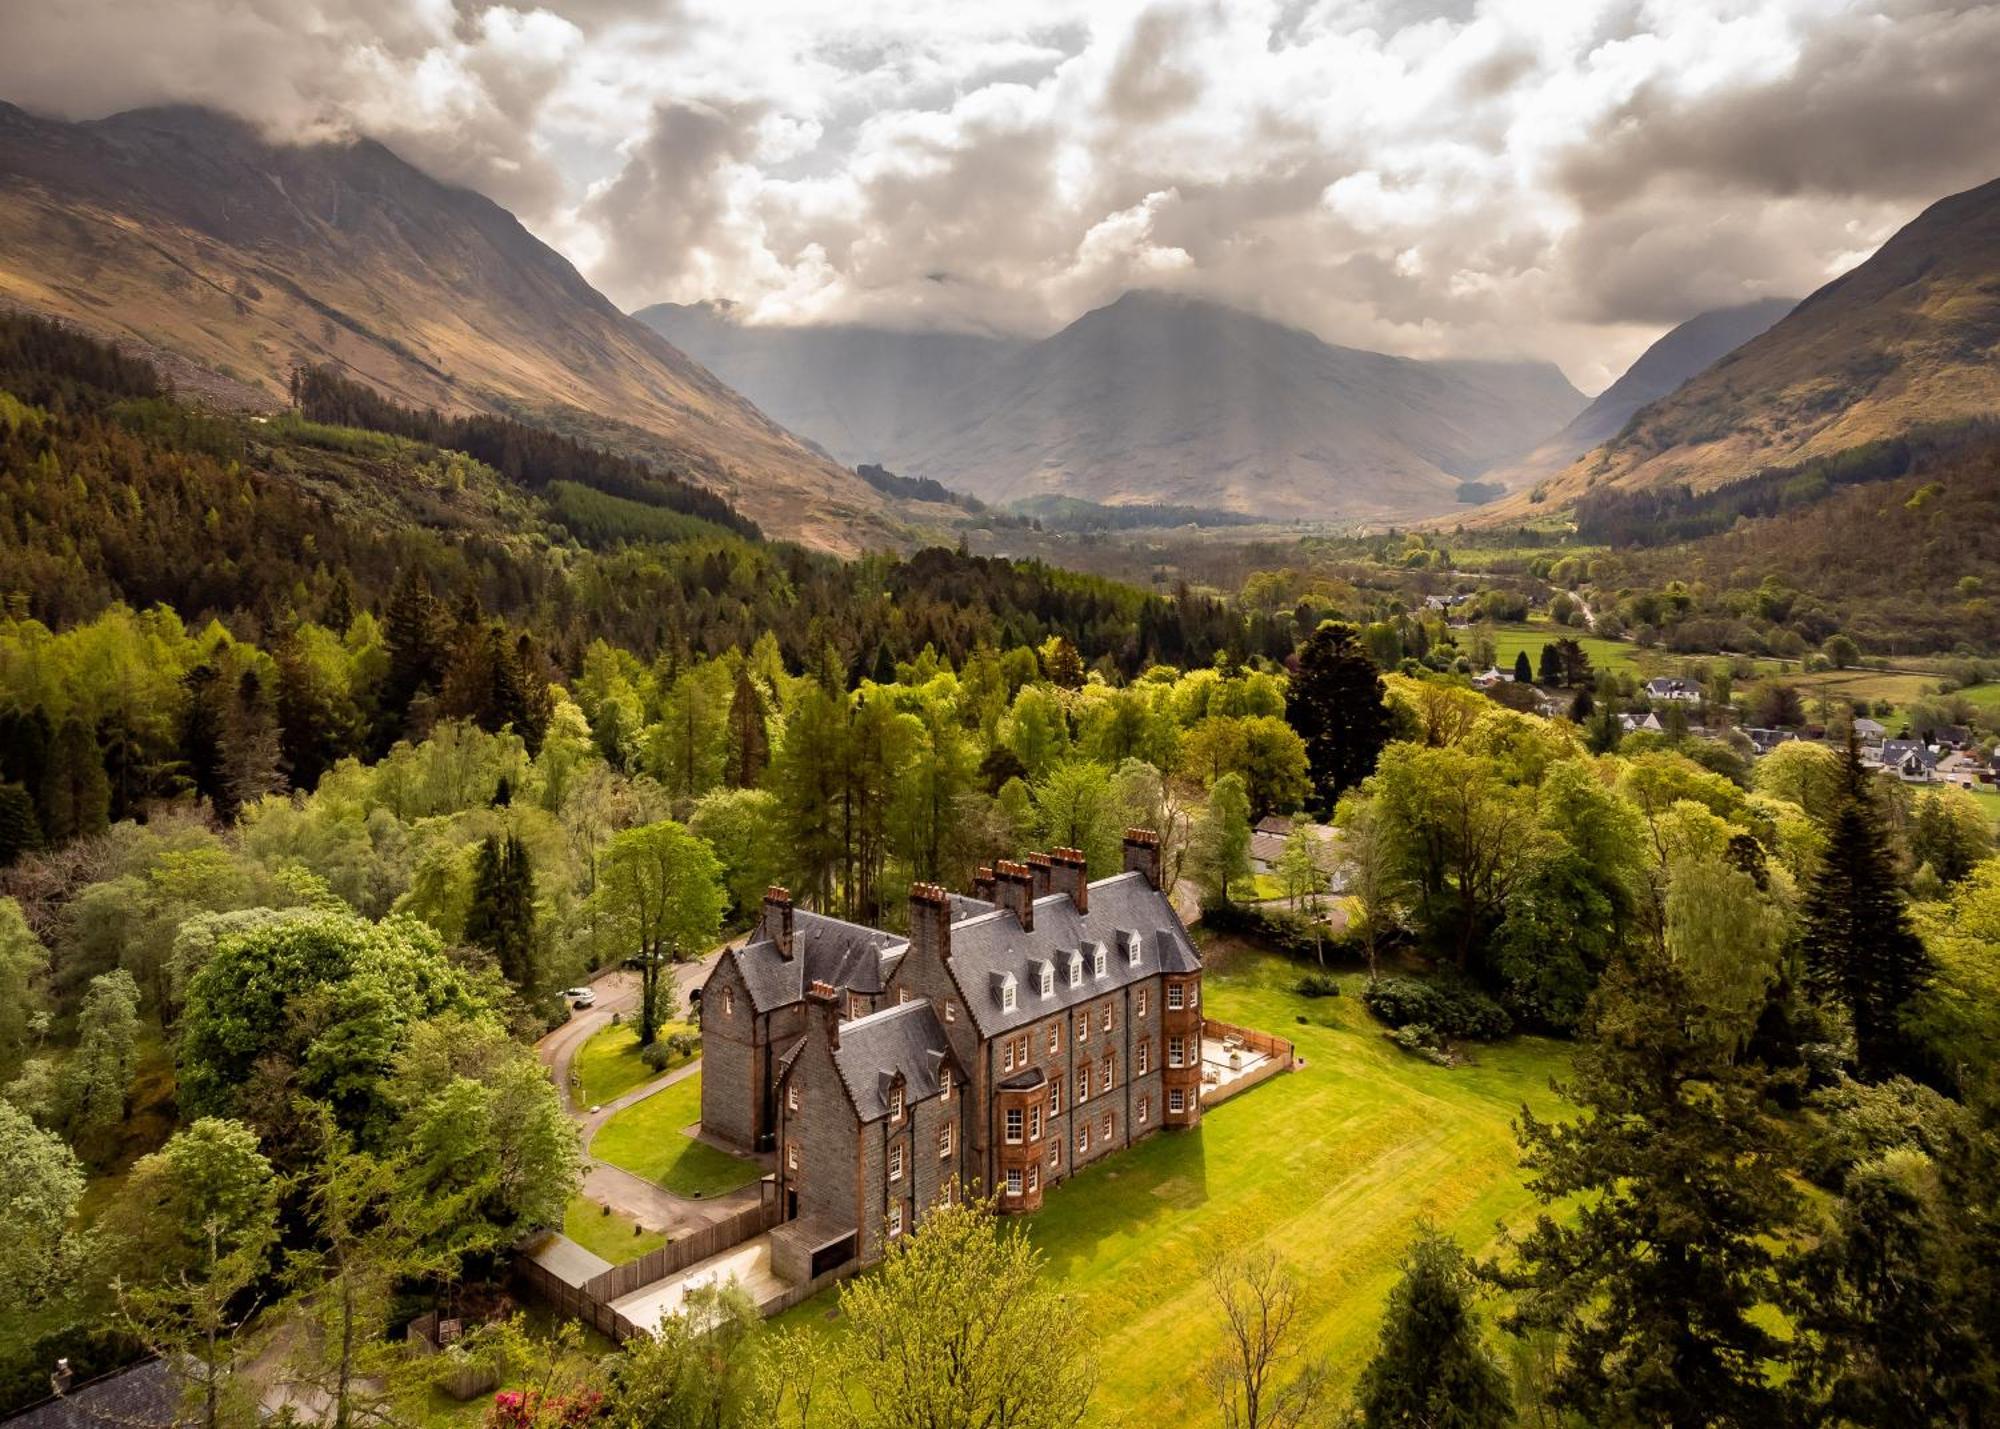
(652, 1206)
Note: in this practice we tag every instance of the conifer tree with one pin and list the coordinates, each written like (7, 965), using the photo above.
(20, 828)
(1657, 1274)
(1550, 669)
(250, 750)
(1524, 673)
(413, 627)
(76, 792)
(501, 918)
(749, 745)
(1433, 1368)
(1861, 954)
(1335, 705)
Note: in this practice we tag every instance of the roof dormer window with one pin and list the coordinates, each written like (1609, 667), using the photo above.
(1132, 945)
(1008, 989)
(1076, 969)
(1048, 980)
(1097, 960)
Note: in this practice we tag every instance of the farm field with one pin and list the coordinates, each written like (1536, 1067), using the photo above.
(609, 1065)
(1875, 686)
(1512, 638)
(1332, 1166)
(649, 1139)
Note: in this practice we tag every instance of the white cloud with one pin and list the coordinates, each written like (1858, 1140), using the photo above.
(1481, 178)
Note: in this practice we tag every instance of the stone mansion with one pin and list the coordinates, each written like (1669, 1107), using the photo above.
(1012, 1038)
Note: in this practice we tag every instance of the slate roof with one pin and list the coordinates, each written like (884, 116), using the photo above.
(906, 1040)
(847, 955)
(1895, 751)
(986, 948)
(144, 1394)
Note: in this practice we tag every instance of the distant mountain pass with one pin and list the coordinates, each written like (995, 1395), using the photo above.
(1680, 355)
(1153, 400)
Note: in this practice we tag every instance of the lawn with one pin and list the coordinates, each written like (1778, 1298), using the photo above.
(649, 1138)
(1332, 1166)
(607, 1232)
(1510, 639)
(609, 1065)
(1989, 800)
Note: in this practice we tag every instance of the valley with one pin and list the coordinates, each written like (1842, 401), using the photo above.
(721, 716)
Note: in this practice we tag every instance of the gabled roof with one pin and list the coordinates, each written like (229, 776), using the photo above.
(986, 947)
(1896, 751)
(846, 955)
(905, 1042)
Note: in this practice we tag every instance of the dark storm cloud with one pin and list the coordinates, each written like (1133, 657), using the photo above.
(1432, 176)
(1878, 104)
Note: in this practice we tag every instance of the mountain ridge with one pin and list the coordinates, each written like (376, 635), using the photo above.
(1909, 337)
(1681, 353)
(1157, 398)
(186, 231)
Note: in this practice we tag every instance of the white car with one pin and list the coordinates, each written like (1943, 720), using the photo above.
(581, 997)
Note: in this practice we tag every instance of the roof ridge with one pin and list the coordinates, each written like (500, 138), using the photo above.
(883, 1014)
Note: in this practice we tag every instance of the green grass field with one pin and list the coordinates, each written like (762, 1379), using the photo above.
(1510, 639)
(649, 1138)
(1875, 686)
(1982, 697)
(608, 1065)
(1332, 1166)
(610, 1233)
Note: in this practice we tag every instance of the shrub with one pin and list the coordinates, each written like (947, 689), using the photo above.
(1422, 1039)
(1288, 933)
(1452, 1009)
(1318, 985)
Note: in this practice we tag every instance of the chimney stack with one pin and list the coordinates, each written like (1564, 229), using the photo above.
(1068, 873)
(1015, 888)
(823, 1003)
(1142, 854)
(777, 920)
(1038, 865)
(982, 884)
(930, 921)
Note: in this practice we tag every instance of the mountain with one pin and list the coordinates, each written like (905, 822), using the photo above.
(1661, 368)
(237, 259)
(857, 391)
(1909, 339)
(1155, 398)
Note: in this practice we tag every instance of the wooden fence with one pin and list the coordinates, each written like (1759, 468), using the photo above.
(798, 1294)
(571, 1301)
(681, 1252)
(1282, 1057)
(591, 1302)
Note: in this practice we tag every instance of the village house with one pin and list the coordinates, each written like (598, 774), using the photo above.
(1013, 1037)
(1673, 690)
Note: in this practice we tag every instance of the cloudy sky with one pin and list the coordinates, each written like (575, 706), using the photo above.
(1554, 178)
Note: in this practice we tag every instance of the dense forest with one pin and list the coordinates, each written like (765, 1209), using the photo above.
(301, 842)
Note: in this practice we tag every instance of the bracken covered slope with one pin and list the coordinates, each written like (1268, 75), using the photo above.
(1909, 338)
(187, 233)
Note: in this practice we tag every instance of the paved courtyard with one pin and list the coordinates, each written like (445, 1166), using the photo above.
(748, 1264)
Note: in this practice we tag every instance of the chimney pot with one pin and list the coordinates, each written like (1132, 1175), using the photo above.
(1142, 854)
(776, 923)
(1014, 888)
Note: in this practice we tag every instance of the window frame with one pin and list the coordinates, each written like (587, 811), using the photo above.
(1013, 1121)
(896, 1163)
